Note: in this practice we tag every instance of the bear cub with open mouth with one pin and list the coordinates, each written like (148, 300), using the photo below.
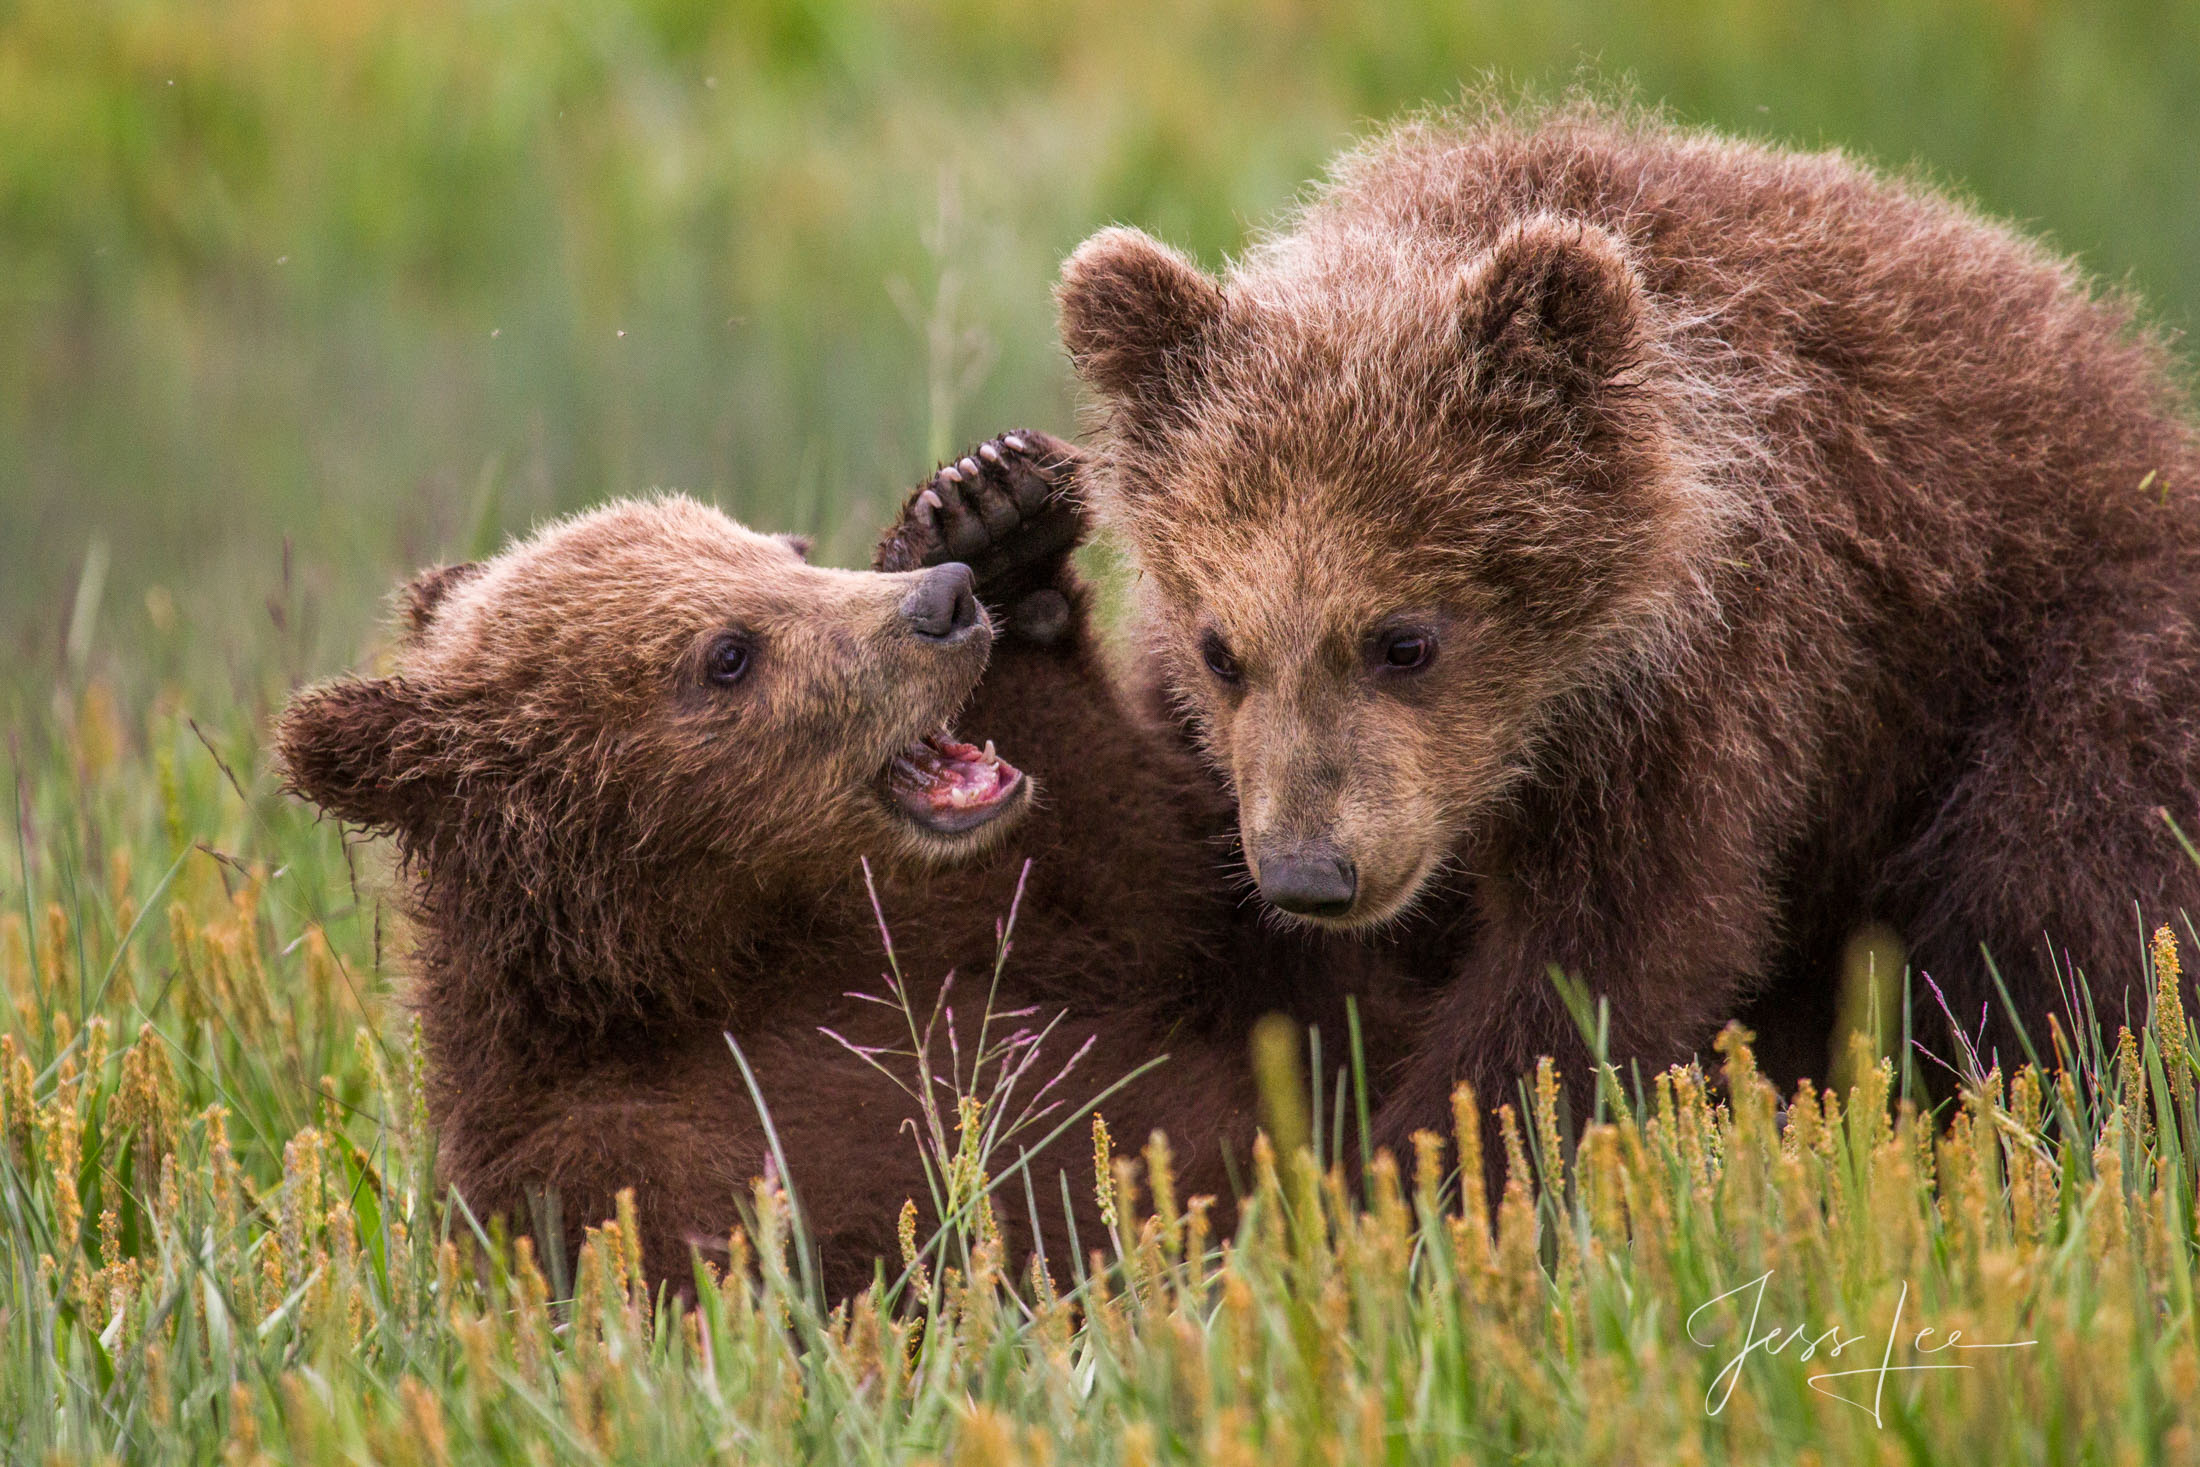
(631, 765)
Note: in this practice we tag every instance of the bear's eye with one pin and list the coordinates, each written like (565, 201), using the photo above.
(727, 661)
(1216, 654)
(1406, 651)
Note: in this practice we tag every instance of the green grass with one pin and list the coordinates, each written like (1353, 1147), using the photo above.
(379, 280)
(297, 298)
(220, 1236)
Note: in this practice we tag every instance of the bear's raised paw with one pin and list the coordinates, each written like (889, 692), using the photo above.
(1009, 511)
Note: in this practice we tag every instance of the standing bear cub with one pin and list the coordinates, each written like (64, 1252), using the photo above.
(631, 765)
(1579, 543)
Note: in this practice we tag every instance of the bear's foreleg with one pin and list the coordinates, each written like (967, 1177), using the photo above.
(1009, 510)
(1662, 902)
(1128, 867)
(2054, 850)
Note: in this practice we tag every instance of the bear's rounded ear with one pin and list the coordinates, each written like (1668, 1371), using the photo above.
(363, 749)
(425, 592)
(801, 545)
(1134, 313)
(1554, 304)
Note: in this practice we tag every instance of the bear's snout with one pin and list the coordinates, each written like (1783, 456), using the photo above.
(1315, 880)
(944, 605)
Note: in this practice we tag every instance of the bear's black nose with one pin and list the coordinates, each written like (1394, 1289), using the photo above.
(1310, 881)
(944, 604)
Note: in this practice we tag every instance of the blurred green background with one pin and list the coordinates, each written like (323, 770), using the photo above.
(295, 297)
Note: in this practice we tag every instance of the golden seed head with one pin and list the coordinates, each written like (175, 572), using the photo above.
(1103, 1170)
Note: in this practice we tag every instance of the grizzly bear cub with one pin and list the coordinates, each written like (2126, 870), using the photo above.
(1584, 544)
(631, 765)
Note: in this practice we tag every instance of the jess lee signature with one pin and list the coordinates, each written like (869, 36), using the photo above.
(1776, 1340)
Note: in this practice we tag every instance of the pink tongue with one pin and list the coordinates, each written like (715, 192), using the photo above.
(958, 776)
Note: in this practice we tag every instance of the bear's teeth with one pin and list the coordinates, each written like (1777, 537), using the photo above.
(940, 774)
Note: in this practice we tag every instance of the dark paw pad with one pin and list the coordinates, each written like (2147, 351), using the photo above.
(1008, 511)
(1042, 617)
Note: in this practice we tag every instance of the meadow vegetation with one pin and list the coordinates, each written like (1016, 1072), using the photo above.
(381, 280)
(221, 1238)
(298, 298)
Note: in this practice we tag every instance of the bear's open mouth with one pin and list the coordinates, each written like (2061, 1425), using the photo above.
(951, 787)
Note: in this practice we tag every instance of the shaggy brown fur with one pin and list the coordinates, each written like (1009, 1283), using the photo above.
(1591, 544)
(614, 858)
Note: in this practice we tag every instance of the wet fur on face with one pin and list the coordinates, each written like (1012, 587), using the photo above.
(1485, 457)
(1780, 532)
